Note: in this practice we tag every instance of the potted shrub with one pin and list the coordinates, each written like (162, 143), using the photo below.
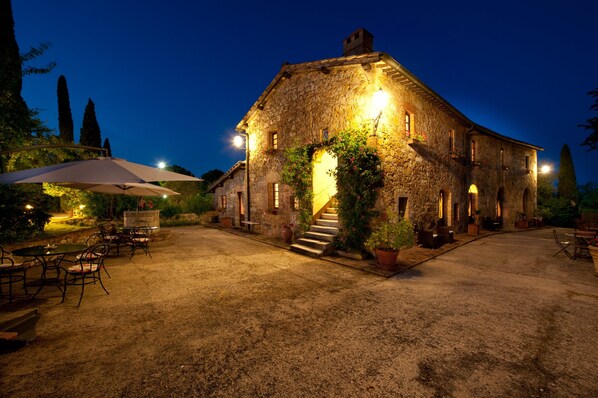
(389, 237)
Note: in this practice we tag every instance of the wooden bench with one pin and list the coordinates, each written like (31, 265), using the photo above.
(250, 224)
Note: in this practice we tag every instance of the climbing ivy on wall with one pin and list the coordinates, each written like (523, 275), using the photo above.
(358, 176)
(297, 173)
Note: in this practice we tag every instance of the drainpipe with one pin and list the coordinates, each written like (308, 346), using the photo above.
(246, 135)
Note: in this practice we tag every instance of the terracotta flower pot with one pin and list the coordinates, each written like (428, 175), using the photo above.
(287, 235)
(387, 258)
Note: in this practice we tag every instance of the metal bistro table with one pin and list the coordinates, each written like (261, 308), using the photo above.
(43, 253)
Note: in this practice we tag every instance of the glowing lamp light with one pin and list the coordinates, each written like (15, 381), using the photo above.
(545, 169)
(161, 165)
(238, 141)
(380, 100)
(81, 207)
(28, 207)
(164, 196)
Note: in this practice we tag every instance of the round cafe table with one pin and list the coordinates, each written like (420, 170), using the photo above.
(44, 253)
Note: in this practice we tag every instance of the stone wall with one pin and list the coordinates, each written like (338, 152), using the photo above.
(301, 106)
(230, 188)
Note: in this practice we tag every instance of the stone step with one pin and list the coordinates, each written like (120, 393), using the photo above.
(319, 236)
(308, 251)
(324, 229)
(314, 243)
(327, 223)
(331, 210)
(329, 216)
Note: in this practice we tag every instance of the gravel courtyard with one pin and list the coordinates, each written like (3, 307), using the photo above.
(219, 315)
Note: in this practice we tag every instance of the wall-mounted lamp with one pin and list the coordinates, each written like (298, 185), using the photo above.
(161, 165)
(545, 169)
(379, 102)
(238, 141)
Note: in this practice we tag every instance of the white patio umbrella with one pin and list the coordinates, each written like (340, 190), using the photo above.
(133, 189)
(101, 170)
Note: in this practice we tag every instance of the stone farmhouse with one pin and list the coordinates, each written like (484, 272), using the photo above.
(440, 167)
(228, 193)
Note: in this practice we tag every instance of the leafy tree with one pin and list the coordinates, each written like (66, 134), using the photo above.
(14, 114)
(187, 189)
(592, 124)
(567, 184)
(65, 117)
(588, 196)
(90, 129)
(107, 148)
(210, 177)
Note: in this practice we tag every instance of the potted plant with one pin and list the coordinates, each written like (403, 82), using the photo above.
(287, 233)
(473, 228)
(389, 237)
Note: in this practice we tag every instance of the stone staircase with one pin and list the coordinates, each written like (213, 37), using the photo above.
(318, 240)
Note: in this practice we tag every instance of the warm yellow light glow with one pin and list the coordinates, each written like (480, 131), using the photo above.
(545, 169)
(81, 207)
(28, 207)
(164, 196)
(238, 141)
(252, 143)
(161, 165)
(380, 100)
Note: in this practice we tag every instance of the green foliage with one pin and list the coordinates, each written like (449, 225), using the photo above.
(210, 177)
(90, 129)
(170, 210)
(559, 212)
(297, 173)
(567, 185)
(393, 234)
(65, 117)
(198, 203)
(107, 148)
(588, 196)
(592, 124)
(16, 222)
(358, 176)
(69, 198)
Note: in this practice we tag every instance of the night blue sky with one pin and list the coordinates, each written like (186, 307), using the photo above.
(170, 80)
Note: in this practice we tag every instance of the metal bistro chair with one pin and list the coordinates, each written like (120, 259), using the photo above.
(563, 245)
(581, 247)
(15, 272)
(139, 239)
(86, 269)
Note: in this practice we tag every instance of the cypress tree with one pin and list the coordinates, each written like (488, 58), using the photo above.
(14, 114)
(107, 149)
(90, 129)
(65, 117)
(567, 184)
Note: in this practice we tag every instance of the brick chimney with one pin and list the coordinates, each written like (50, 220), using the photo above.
(359, 42)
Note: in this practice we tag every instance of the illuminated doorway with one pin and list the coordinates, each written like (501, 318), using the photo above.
(324, 184)
(472, 202)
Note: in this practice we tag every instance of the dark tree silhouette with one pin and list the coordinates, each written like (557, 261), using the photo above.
(211, 176)
(65, 117)
(90, 129)
(567, 184)
(592, 124)
(107, 149)
(14, 114)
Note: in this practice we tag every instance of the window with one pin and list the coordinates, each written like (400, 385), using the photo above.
(473, 151)
(441, 205)
(273, 196)
(502, 157)
(451, 136)
(527, 164)
(223, 202)
(408, 124)
(274, 140)
(324, 135)
(402, 206)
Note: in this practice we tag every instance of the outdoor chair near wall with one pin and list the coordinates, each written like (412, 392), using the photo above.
(140, 238)
(581, 247)
(86, 269)
(428, 239)
(563, 245)
(111, 235)
(12, 272)
(92, 240)
(445, 235)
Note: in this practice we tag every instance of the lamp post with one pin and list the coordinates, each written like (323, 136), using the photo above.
(238, 142)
